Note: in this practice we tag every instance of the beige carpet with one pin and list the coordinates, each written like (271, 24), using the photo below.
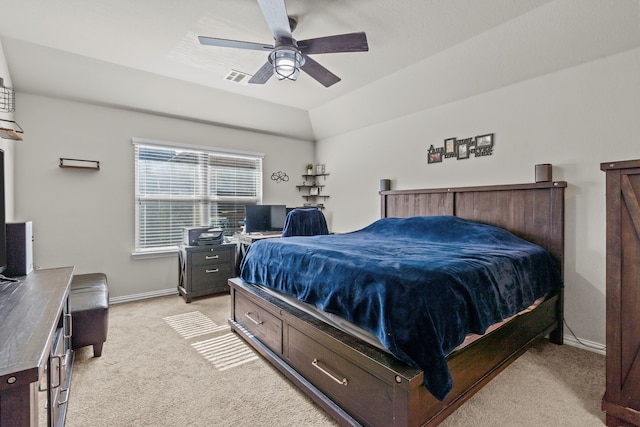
(168, 363)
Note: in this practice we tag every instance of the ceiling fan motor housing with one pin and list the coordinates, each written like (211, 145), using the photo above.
(286, 59)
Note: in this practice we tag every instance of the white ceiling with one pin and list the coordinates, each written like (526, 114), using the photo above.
(88, 49)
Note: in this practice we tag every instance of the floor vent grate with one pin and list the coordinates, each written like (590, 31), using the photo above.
(193, 324)
(225, 352)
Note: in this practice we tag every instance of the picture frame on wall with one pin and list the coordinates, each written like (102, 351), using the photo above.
(450, 146)
(484, 140)
(434, 157)
(314, 191)
(319, 169)
(463, 151)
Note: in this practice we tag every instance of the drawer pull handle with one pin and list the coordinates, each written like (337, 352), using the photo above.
(46, 385)
(59, 369)
(212, 271)
(329, 374)
(66, 398)
(69, 318)
(212, 257)
(248, 316)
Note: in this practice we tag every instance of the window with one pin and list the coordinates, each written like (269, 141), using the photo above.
(180, 186)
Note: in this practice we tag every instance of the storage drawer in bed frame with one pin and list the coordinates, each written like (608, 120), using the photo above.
(265, 326)
(340, 379)
(331, 366)
(379, 389)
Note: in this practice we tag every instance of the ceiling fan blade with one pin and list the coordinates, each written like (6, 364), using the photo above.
(263, 74)
(275, 13)
(352, 42)
(318, 72)
(211, 41)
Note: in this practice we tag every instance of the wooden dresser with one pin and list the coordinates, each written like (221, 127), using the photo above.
(35, 349)
(621, 400)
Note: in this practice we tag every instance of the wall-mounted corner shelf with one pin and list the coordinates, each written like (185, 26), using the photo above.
(313, 175)
(79, 164)
(313, 191)
(299, 187)
(314, 196)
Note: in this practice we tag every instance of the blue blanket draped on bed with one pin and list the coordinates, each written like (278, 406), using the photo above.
(419, 284)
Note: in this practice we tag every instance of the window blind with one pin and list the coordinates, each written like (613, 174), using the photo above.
(178, 187)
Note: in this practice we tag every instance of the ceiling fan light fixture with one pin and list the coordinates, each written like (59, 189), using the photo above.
(286, 61)
(289, 56)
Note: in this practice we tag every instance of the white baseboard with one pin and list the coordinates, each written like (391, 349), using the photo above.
(595, 347)
(146, 295)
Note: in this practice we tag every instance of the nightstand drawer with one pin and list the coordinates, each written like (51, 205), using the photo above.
(209, 276)
(262, 324)
(212, 256)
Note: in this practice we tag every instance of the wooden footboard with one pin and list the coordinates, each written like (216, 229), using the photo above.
(359, 384)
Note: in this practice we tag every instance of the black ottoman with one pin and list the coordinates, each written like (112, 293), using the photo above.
(89, 305)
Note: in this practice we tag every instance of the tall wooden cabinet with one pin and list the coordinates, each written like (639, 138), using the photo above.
(621, 400)
(35, 349)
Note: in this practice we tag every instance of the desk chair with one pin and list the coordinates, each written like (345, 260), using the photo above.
(305, 222)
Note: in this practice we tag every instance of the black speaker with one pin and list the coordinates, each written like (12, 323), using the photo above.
(543, 172)
(19, 248)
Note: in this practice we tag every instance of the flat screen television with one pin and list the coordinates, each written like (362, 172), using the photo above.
(3, 226)
(264, 218)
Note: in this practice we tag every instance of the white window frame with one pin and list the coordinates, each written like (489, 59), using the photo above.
(204, 154)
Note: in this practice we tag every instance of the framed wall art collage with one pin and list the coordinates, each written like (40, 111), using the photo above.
(479, 146)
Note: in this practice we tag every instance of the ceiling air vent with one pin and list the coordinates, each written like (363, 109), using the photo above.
(238, 77)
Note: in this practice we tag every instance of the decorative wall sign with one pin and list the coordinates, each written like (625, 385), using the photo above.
(279, 177)
(480, 146)
(434, 157)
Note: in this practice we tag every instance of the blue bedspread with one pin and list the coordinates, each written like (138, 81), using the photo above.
(419, 284)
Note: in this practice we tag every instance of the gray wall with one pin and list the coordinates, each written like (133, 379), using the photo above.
(86, 218)
(574, 119)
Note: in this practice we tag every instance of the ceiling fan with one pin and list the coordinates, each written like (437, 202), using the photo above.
(288, 56)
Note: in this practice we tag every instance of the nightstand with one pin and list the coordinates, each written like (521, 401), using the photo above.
(204, 270)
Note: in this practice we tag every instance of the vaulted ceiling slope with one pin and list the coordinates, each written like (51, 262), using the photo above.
(145, 55)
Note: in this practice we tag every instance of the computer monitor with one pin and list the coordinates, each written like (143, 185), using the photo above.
(263, 218)
(278, 216)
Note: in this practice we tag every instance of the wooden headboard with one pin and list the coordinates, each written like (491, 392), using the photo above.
(534, 212)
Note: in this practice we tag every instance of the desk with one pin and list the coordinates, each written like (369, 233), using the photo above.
(246, 240)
